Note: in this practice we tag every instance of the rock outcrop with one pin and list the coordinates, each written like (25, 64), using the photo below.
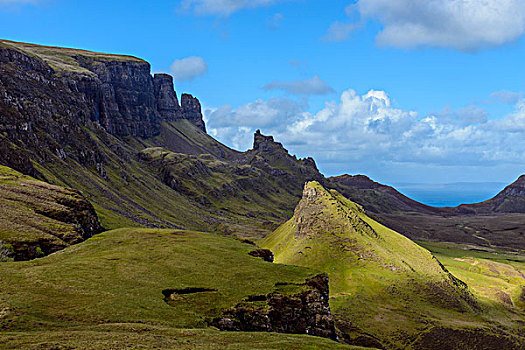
(307, 312)
(264, 254)
(267, 152)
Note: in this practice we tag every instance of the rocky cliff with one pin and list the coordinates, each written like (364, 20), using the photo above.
(47, 95)
(95, 122)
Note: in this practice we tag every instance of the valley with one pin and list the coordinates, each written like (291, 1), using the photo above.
(124, 224)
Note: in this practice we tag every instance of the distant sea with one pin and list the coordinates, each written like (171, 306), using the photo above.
(450, 195)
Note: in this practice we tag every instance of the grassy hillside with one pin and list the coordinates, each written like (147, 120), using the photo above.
(108, 292)
(498, 277)
(37, 218)
(385, 289)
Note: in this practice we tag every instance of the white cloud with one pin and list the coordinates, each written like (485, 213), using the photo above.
(221, 7)
(466, 25)
(363, 132)
(313, 86)
(188, 68)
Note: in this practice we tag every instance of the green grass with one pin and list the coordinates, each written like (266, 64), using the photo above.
(108, 291)
(64, 59)
(139, 336)
(383, 286)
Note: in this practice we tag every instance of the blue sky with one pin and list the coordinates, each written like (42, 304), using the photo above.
(426, 91)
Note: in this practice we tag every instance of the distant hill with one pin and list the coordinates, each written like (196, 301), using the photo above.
(498, 223)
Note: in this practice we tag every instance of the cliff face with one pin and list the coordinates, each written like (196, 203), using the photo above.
(120, 95)
(72, 88)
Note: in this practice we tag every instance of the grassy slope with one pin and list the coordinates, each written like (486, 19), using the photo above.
(497, 277)
(129, 195)
(62, 59)
(384, 285)
(24, 203)
(108, 291)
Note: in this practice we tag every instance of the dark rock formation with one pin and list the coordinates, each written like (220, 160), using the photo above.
(120, 94)
(306, 312)
(191, 110)
(274, 158)
(264, 143)
(264, 254)
(167, 102)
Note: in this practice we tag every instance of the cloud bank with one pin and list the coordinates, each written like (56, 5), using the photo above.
(188, 68)
(368, 131)
(466, 25)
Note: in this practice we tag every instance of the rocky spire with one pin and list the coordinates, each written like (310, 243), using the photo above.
(191, 110)
(167, 102)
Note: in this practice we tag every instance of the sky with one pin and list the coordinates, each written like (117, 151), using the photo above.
(405, 91)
